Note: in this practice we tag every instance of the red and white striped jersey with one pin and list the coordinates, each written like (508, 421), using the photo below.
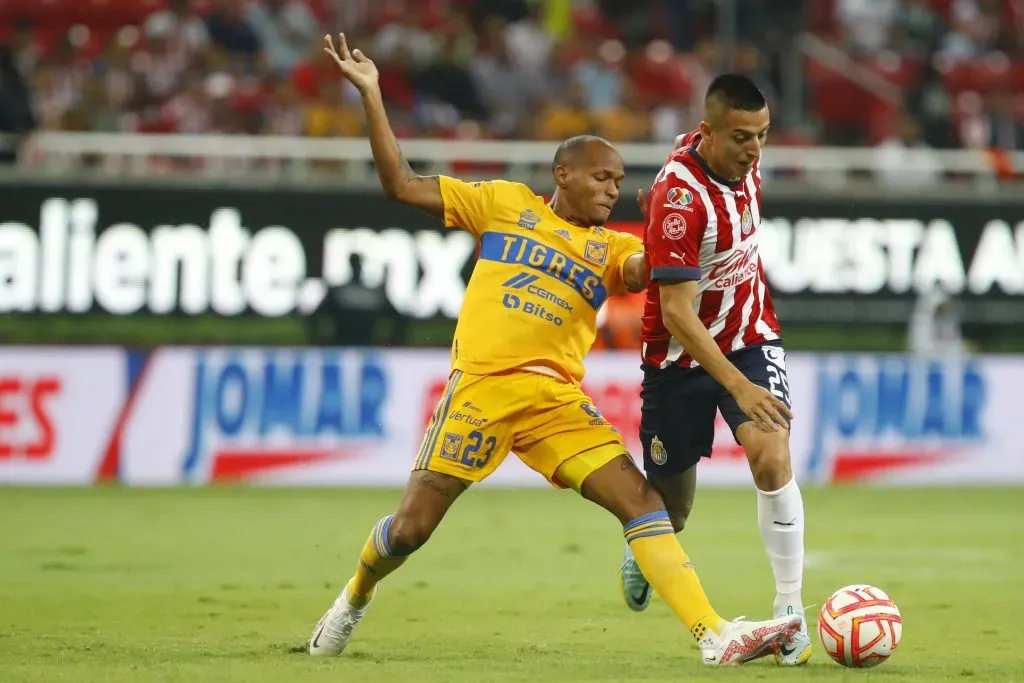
(702, 227)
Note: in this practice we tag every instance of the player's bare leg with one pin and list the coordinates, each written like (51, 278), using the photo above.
(427, 498)
(780, 516)
(677, 492)
(620, 488)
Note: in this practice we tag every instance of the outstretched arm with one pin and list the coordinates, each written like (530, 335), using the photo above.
(397, 178)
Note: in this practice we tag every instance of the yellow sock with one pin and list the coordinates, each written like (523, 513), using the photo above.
(375, 562)
(665, 564)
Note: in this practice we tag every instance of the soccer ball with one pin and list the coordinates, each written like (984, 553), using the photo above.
(860, 626)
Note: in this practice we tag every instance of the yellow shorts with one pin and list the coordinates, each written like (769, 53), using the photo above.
(550, 424)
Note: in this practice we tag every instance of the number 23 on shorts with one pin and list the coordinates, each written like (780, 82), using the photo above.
(778, 383)
(470, 450)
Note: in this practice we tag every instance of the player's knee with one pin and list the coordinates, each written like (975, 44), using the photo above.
(409, 533)
(645, 499)
(678, 513)
(677, 490)
(770, 466)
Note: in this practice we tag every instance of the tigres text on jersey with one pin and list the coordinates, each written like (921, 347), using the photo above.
(538, 283)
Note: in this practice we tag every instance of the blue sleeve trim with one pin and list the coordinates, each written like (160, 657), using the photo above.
(675, 273)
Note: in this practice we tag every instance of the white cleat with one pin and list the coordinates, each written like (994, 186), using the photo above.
(635, 589)
(796, 650)
(744, 641)
(335, 627)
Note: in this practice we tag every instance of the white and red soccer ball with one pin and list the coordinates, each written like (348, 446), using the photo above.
(860, 626)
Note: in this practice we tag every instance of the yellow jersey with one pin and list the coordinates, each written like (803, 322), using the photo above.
(538, 283)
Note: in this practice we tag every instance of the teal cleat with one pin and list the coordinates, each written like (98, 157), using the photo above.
(636, 591)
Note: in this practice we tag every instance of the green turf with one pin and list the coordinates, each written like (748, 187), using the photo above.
(224, 585)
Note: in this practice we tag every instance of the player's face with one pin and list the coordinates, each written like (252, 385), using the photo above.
(736, 140)
(593, 185)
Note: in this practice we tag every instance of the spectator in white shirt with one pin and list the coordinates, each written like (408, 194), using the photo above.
(160, 66)
(529, 45)
(868, 23)
(974, 30)
(505, 91)
(405, 43)
(185, 30)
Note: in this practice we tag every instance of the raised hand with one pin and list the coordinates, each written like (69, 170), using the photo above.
(354, 65)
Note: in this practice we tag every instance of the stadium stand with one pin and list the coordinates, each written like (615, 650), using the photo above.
(936, 73)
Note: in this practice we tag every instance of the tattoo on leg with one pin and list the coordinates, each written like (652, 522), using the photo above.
(431, 484)
(627, 465)
(440, 485)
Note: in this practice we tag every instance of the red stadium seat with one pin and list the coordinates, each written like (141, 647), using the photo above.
(882, 120)
(841, 103)
(820, 16)
(836, 101)
(985, 75)
(899, 71)
(248, 97)
(203, 7)
(322, 11)
(944, 7)
(48, 37)
(8, 13)
(96, 43)
(1015, 77)
(588, 21)
(65, 13)
(882, 115)
(43, 9)
(657, 77)
(385, 17)
(1017, 105)
(120, 12)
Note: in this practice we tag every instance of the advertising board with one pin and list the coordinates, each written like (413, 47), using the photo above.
(58, 411)
(162, 251)
(355, 417)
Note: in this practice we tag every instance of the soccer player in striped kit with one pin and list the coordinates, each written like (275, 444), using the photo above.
(711, 340)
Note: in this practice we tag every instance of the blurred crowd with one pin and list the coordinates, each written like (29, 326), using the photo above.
(896, 73)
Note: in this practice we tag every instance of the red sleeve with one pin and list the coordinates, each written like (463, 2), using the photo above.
(675, 230)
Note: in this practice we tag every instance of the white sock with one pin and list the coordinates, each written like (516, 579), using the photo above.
(780, 515)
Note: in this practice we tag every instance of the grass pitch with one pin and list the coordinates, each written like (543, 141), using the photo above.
(223, 585)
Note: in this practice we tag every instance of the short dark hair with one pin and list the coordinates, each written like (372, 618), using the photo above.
(736, 91)
(570, 149)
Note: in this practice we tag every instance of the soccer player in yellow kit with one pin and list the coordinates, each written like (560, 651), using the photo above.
(528, 319)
